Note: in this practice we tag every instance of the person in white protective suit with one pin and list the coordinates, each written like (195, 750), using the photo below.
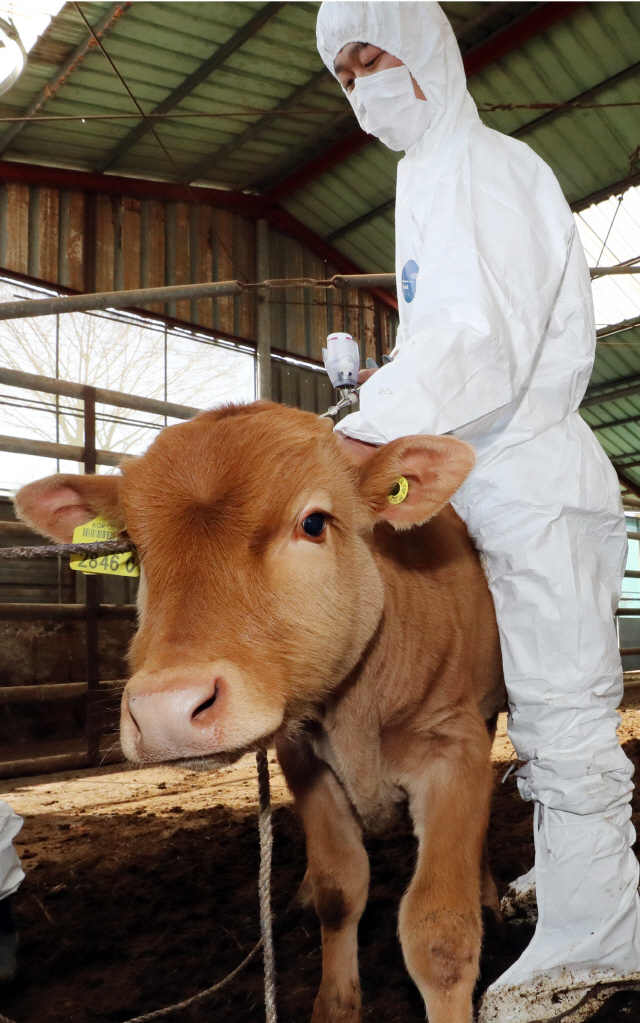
(11, 875)
(495, 345)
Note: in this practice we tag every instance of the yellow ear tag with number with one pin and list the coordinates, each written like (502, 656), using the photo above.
(398, 491)
(106, 564)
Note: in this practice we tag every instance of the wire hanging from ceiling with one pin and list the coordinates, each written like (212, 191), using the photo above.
(194, 198)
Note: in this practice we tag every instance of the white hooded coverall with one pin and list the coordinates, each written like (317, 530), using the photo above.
(496, 345)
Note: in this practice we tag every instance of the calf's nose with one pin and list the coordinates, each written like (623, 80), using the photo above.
(168, 724)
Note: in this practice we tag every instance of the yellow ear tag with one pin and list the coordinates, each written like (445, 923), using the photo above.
(106, 564)
(398, 491)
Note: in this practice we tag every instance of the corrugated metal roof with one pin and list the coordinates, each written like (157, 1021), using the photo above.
(156, 46)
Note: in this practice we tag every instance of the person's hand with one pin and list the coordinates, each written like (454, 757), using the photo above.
(364, 374)
(357, 451)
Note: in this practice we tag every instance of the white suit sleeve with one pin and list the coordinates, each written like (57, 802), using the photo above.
(497, 243)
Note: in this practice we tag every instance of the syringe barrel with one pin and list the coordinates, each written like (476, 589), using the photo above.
(342, 360)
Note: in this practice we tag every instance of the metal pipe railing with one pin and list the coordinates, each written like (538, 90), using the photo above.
(49, 449)
(103, 396)
(100, 395)
(95, 301)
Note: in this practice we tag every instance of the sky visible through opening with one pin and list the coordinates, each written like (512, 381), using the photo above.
(117, 351)
(30, 18)
(618, 223)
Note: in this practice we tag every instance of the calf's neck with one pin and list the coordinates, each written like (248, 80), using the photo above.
(284, 598)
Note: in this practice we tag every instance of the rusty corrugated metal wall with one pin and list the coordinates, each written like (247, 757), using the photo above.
(100, 242)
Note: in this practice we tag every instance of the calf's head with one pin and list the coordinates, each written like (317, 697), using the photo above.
(259, 590)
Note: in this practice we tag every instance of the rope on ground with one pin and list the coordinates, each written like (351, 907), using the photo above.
(200, 997)
(264, 885)
(193, 1000)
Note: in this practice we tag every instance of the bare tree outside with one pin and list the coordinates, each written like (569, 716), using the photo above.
(120, 352)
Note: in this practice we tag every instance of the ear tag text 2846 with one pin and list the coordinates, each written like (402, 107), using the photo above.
(398, 491)
(107, 564)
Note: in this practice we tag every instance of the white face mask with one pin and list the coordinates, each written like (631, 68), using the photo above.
(386, 106)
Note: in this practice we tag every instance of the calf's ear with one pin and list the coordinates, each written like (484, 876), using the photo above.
(57, 504)
(433, 467)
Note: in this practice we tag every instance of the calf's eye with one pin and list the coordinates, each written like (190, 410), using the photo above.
(314, 524)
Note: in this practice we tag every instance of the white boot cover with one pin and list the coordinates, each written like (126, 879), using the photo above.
(588, 916)
(11, 873)
(519, 901)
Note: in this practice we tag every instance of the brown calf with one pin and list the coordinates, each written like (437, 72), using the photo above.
(285, 597)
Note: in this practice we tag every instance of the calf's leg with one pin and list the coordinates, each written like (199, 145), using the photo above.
(488, 891)
(449, 786)
(337, 877)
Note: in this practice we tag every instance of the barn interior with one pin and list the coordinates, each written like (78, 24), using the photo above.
(146, 145)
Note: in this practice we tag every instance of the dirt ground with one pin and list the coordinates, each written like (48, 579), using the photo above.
(141, 890)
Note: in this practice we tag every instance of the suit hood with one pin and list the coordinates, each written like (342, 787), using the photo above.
(418, 33)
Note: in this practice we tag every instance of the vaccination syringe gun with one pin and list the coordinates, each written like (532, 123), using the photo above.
(342, 363)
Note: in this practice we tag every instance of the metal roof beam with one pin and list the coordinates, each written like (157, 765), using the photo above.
(582, 97)
(166, 191)
(516, 34)
(617, 188)
(600, 398)
(513, 35)
(312, 139)
(615, 422)
(479, 20)
(619, 382)
(630, 484)
(318, 165)
(314, 83)
(364, 219)
(58, 79)
(617, 328)
(619, 461)
(190, 83)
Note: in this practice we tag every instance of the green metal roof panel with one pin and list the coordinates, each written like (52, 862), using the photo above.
(155, 47)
